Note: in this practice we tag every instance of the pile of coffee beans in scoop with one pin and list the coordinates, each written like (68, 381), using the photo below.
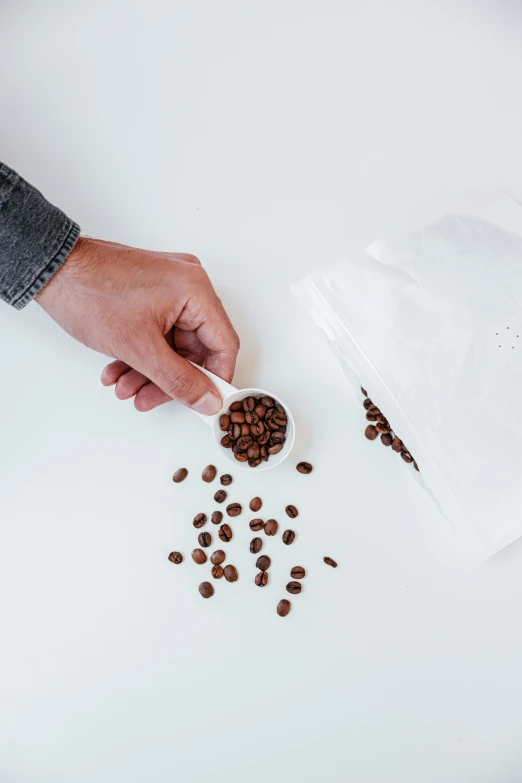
(380, 426)
(255, 429)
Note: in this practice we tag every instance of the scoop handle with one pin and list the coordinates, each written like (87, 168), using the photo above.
(224, 388)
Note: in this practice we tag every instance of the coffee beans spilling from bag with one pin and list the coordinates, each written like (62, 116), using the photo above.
(255, 429)
(380, 427)
(270, 526)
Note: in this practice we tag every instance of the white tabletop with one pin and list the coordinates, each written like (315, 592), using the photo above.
(268, 139)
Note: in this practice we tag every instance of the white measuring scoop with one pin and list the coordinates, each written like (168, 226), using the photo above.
(230, 394)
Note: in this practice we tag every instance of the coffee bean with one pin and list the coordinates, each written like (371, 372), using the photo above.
(226, 479)
(275, 449)
(370, 432)
(363, 392)
(217, 571)
(272, 425)
(291, 511)
(206, 589)
(264, 453)
(263, 563)
(251, 418)
(261, 579)
(205, 539)
(382, 428)
(180, 475)
(237, 418)
(256, 545)
(277, 437)
(217, 557)
(258, 431)
(406, 456)
(263, 438)
(254, 462)
(268, 402)
(260, 411)
(253, 452)
(415, 465)
(199, 556)
(255, 504)
(304, 467)
(330, 562)
(176, 557)
(371, 416)
(236, 431)
(283, 607)
(280, 419)
(224, 422)
(396, 444)
(236, 406)
(249, 403)
(199, 520)
(288, 537)
(245, 430)
(386, 439)
(367, 403)
(256, 524)
(225, 533)
(216, 517)
(230, 572)
(244, 442)
(271, 527)
(234, 509)
(294, 588)
(382, 420)
(226, 441)
(209, 474)
(241, 457)
(297, 572)
(220, 496)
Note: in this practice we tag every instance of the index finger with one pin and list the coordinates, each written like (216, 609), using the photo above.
(220, 338)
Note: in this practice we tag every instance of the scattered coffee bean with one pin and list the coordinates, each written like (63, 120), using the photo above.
(224, 422)
(180, 475)
(386, 439)
(304, 467)
(288, 537)
(294, 587)
(220, 496)
(225, 533)
(217, 571)
(206, 589)
(199, 520)
(176, 557)
(199, 556)
(256, 545)
(255, 504)
(256, 524)
(330, 562)
(263, 563)
(297, 572)
(217, 557)
(216, 517)
(209, 474)
(283, 607)
(230, 573)
(234, 509)
(370, 432)
(204, 539)
(261, 579)
(271, 527)
(291, 511)
(236, 406)
(226, 479)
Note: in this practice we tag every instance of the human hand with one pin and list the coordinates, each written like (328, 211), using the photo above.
(150, 311)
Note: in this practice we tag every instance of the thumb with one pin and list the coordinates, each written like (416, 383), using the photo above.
(178, 378)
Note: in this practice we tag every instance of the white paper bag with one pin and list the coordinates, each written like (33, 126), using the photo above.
(431, 326)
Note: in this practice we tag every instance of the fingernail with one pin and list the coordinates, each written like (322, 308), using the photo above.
(209, 404)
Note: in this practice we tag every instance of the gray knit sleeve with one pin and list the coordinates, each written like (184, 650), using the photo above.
(35, 239)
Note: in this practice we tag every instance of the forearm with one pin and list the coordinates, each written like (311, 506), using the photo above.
(35, 239)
